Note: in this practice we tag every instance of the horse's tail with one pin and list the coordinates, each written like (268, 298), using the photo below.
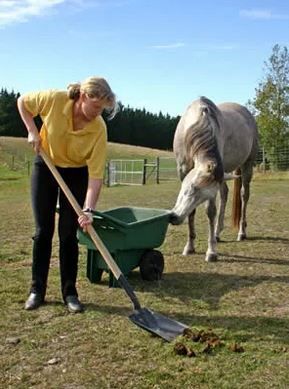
(236, 202)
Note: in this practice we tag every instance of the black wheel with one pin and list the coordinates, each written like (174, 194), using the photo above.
(152, 265)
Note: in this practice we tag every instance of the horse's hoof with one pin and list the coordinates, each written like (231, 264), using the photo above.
(241, 237)
(211, 257)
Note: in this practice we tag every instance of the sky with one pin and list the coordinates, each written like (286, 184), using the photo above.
(156, 54)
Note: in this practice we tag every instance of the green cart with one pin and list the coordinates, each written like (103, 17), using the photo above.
(130, 235)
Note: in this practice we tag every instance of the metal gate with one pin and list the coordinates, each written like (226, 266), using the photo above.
(124, 172)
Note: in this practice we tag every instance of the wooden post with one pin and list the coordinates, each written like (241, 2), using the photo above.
(264, 160)
(158, 170)
(144, 171)
(108, 174)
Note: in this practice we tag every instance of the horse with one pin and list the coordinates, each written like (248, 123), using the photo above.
(213, 144)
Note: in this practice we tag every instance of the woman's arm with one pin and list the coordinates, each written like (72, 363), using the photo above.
(27, 118)
(92, 195)
(93, 191)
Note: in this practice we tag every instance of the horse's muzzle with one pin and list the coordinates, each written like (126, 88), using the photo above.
(175, 219)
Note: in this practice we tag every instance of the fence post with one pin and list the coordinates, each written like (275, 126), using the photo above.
(264, 160)
(144, 171)
(158, 170)
(108, 174)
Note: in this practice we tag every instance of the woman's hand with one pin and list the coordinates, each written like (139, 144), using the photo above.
(34, 140)
(85, 219)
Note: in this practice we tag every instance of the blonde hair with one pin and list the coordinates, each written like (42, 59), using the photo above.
(95, 87)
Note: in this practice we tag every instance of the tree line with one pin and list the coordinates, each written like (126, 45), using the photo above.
(270, 106)
(130, 126)
(142, 128)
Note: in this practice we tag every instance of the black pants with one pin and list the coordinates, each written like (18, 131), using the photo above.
(45, 192)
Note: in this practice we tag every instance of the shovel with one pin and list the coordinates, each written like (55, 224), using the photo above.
(155, 323)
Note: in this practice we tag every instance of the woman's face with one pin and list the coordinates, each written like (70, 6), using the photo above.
(92, 106)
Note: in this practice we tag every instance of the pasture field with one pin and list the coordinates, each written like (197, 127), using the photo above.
(243, 299)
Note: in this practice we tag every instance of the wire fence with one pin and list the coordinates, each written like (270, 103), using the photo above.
(18, 163)
(273, 160)
(160, 169)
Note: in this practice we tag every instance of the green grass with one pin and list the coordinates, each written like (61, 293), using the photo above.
(243, 298)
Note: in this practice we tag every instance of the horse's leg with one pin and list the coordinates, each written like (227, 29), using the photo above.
(190, 245)
(221, 211)
(211, 254)
(247, 172)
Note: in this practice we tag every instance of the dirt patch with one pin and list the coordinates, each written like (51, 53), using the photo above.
(206, 342)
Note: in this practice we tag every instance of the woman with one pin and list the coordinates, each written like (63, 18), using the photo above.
(74, 135)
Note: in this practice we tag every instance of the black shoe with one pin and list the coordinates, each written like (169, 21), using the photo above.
(73, 304)
(34, 301)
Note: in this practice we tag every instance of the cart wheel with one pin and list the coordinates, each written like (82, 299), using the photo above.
(151, 265)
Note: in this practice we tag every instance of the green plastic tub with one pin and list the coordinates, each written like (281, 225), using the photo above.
(128, 233)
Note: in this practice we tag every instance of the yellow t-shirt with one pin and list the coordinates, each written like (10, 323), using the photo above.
(68, 148)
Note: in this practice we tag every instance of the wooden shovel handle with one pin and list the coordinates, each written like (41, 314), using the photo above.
(90, 230)
(93, 234)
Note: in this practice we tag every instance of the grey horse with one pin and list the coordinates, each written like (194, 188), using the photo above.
(213, 144)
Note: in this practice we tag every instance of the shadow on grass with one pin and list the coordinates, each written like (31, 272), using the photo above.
(242, 258)
(54, 303)
(109, 309)
(268, 239)
(10, 178)
(208, 287)
(241, 328)
(248, 327)
(255, 239)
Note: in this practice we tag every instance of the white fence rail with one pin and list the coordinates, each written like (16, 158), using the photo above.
(140, 171)
(124, 172)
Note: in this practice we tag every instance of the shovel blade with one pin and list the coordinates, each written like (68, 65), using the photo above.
(157, 324)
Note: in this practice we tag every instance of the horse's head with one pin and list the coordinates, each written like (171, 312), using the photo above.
(199, 185)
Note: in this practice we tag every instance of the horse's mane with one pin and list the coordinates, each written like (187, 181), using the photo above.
(201, 138)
